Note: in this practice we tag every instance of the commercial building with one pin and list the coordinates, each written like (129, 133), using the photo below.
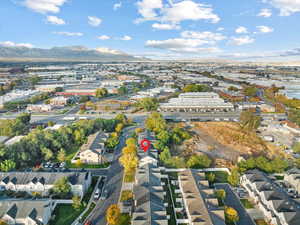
(59, 101)
(42, 182)
(17, 95)
(277, 206)
(39, 108)
(199, 199)
(196, 102)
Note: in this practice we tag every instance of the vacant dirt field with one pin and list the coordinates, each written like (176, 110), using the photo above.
(226, 141)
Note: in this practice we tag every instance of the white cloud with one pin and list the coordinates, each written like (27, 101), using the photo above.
(109, 51)
(220, 29)
(175, 12)
(44, 6)
(104, 37)
(13, 44)
(265, 13)
(65, 33)
(286, 7)
(241, 30)
(126, 38)
(55, 20)
(265, 29)
(165, 26)
(206, 37)
(242, 40)
(181, 45)
(117, 6)
(147, 7)
(94, 21)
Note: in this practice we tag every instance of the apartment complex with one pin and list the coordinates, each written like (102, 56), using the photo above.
(199, 200)
(42, 182)
(149, 196)
(277, 206)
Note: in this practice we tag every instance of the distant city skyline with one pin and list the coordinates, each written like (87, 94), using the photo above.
(158, 29)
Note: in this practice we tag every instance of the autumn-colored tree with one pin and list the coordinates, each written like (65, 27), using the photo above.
(76, 202)
(61, 156)
(131, 141)
(119, 127)
(231, 214)
(234, 177)
(129, 162)
(78, 163)
(3, 222)
(138, 130)
(131, 149)
(113, 214)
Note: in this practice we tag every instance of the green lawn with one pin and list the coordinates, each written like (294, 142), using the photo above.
(124, 219)
(87, 166)
(247, 204)
(65, 214)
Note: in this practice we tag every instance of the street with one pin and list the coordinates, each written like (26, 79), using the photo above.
(113, 183)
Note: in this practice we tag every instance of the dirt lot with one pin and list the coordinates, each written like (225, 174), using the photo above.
(225, 141)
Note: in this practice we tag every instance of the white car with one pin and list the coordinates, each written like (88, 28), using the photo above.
(97, 194)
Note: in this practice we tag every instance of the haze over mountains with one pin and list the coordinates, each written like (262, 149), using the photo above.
(64, 53)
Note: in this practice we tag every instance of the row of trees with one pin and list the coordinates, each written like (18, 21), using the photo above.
(129, 159)
(14, 127)
(12, 105)
(43, 145)
(196, 88)
(148, 104)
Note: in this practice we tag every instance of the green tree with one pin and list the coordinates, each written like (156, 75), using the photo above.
(122, 90)
(148, 104)
(24, 118)
(101, 92)
(250, 91)
(163, 136)
(155, 122)
(234, 177)
(76, 202)
(48, 154)
(211, 177)
(220, 194)
(61, 156)
(165, 155)
(199, 161)
(62, 186)
(296, 147)
(196, 88)
(7, 165)
(121, 118)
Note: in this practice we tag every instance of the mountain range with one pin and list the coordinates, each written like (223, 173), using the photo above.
(69, 53)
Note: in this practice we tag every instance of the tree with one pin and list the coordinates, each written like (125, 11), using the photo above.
(62, 186)
(296, 147)
(220, 194)
(233, 88)
(3, 222)
(121, 118)
(250, 91)
(234, 177)
(231, 214)
(7, 165)
(155, 122)
(24, 118)
(113, 214)
(211, 177)
(78, 163)
(129, 162)
(50, 123)
(84, 99)
(163, 136)
(196, 88)
(249, 120)
(199, 161)
(138, 130)
(131, 149)
(165, 155)
(131, 141)
(119, 127)
(61, 155)
(48, 154)
(76, 202)
(148, 104)
(101, 92)
(122, 90)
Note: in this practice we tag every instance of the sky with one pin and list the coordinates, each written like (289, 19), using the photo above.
(158, 29)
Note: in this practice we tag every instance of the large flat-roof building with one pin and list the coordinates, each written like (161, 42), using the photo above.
(196, 102)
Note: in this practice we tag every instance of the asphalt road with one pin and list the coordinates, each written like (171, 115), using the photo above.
(233, 201)
(113, 183)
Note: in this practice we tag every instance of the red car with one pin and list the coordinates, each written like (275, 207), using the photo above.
(88, 222)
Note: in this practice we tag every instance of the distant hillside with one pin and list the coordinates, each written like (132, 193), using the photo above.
(72, 53)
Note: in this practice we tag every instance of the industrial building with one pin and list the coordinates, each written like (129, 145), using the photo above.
(196, 102)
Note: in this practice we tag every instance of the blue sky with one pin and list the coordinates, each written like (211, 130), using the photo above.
(237, 29)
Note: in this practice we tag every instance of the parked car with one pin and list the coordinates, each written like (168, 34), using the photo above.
(104, 194)
(97, 194)
(88, 222)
